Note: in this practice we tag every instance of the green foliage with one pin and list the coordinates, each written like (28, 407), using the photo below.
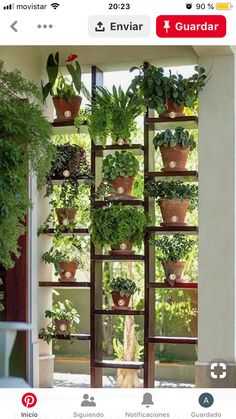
(170, 138)
(60, 311)
(112, 114)
(165, 356)
(126, 287)
(117, 224)
(69, 157)
(175, 248)
(155, 88)
(67, 249)
(24, 142)
(122, 164)
(172, 190)
(60, 86)
(119, 350)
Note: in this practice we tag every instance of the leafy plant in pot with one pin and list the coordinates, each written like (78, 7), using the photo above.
(174, 147)
(174, 199)
(67, 254)
(119, 227)
(65, 92)
(112, 115)
(172, 251)
(120, 170)
(168, 95)
(121, 290)
(64, 321)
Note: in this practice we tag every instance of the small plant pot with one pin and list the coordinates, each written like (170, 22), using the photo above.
(173, 271)
(173, 212)
(125, 249)
(65, 215)
(120, 303)
(171, 111)
(174, 158)
(65, 109)
(62, 326)
(68, 271)
(123, 187)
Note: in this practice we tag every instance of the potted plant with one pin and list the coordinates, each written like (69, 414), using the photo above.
(120, 170)
(168, 95)
(174, 199)
(70, 162)
(112, 115)
(121, 290)
(67, 254)
(119, 227)
(65, 92)
(25, 142)
(174, 147)
(172, 251)
(64, 320)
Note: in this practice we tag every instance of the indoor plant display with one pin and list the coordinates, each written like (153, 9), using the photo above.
(70, 161)
(64, 91)
(64, 321)
(112, 115)
(172, 251)
(119, 227)
(67, 254)
(174, 147)
(168, 95)
(174, 199)
(120, 170)
(121, 290)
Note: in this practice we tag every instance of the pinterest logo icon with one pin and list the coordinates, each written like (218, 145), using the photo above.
(29, 400)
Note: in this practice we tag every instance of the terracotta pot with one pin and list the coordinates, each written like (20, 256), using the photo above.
(62, 326)
(125, 249)
(123, 186)
(68, 271)
(171, 111)
(173, 211)
(174, 158)
(65, 215)
(120, 302)
(66, 109)
(173, 271)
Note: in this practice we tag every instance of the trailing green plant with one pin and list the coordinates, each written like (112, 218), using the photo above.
(156, 88)
(173, 190)
(120, 164)
(118, 348)
(59, 85)
(112, 115)
(117, 224)
(169, 138)
(126, 287)
(60, 311)
(173, 248)
(67, 249)
(25, 144)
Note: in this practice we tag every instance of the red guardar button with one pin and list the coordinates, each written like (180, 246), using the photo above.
(173, 26)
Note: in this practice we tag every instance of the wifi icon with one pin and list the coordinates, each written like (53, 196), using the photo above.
(55, 5)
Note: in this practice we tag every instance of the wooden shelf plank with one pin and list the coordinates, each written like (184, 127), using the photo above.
(177, 285)
(192, 230)
(186, 176)
(75, 336)
(118, 364)
(66, 232)
(174, 339)
(58, 180)
(118, 312)
(160, 123)
(110, 149)
(99, 204)
(111, 258)
(57, 284)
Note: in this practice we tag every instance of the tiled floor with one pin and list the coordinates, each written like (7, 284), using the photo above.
(83, 381)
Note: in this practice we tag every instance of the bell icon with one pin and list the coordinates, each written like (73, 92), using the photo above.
(147, 399)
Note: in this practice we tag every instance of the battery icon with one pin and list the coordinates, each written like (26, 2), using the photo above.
(224, 6)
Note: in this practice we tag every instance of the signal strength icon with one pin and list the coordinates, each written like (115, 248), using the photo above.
(9, 7)
(55, 5)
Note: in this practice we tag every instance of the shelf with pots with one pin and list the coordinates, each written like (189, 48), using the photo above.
(176, 285)
(161, 123)
(66, 232)
(64, 284)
